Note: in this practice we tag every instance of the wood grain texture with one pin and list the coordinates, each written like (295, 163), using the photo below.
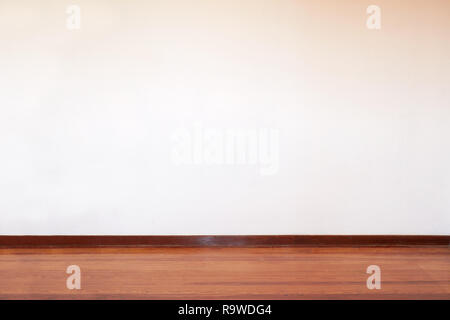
(222, 241)
(225, 273)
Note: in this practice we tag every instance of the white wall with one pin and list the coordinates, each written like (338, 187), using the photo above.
(87, 117)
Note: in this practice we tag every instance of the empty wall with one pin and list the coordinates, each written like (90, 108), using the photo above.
(121, 126)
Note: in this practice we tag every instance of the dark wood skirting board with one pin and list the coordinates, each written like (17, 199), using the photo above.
(224, 241)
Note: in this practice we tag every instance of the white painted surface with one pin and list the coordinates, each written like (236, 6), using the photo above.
(86, 117)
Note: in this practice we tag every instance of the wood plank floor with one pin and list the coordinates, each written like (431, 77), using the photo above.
(225, 273)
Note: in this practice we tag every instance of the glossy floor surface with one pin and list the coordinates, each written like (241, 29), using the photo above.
(225, 273)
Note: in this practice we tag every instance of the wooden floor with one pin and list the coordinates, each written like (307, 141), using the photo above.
(225, 273)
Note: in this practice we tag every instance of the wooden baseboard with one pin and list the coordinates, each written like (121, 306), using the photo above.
(224, 241)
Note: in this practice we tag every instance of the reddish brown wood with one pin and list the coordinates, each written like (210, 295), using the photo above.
(226, 273)
(219, 241)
